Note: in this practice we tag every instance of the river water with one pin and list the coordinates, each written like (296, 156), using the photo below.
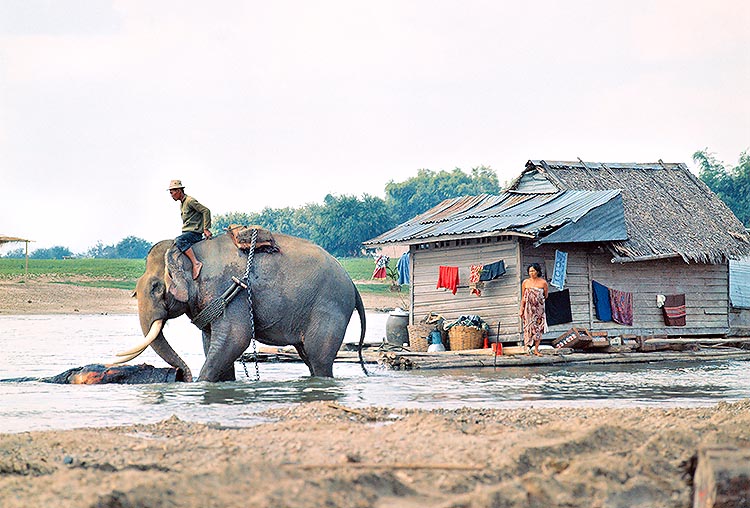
(40, 346)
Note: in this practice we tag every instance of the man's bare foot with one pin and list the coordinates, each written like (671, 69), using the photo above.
(537, 353)
(197, 269)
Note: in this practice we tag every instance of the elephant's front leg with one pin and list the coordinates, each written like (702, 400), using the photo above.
(227, 340)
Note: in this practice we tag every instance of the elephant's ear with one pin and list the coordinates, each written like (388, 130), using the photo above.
(175, 276)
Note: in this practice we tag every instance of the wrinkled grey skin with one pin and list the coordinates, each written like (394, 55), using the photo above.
(302, 296)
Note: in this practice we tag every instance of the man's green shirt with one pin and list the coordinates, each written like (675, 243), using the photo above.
(195, 216)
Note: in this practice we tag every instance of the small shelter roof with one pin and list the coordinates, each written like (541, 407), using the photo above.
(9, 239)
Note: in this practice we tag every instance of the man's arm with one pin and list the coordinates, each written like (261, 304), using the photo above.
(206, 216)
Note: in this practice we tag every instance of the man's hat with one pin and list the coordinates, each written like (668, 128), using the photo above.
(175, 184)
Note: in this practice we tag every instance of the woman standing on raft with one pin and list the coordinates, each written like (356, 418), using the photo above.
(534, 321)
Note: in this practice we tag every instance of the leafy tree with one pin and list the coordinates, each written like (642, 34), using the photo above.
(219, 223)
(347, 221)
(132, 247)
(56, 252)
(101, 251)
(420, 193)
(731, 184)
(18, 253)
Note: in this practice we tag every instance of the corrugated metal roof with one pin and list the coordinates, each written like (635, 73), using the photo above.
(605, 223)
(507, 212)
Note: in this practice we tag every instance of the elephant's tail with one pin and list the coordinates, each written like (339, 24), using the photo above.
(363, 325)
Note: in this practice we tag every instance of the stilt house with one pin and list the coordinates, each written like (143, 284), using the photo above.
(649, 231)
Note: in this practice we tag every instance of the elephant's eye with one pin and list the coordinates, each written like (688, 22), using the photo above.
(157, 287)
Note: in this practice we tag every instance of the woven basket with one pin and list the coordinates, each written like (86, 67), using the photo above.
(465, 337)
(418, 334)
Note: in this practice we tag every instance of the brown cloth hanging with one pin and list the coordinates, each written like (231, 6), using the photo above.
(674, 310)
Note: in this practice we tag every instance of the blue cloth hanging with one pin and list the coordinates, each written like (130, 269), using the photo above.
(492, 270)
(404, 277)
(601, 301)
(561, 267)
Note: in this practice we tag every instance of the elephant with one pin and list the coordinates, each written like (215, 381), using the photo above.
(301, 296)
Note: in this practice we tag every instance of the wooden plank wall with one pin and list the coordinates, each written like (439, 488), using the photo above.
(705, 287)
(500, 298)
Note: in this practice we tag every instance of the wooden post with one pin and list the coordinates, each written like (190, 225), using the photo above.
(26, 270)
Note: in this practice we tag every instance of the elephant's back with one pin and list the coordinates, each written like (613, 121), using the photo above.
(302, 270)
(304, 257)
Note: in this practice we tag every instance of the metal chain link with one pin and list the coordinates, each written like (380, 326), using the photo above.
(250, 256)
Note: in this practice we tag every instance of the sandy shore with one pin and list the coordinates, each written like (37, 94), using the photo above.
(321, 454)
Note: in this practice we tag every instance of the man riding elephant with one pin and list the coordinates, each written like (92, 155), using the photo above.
(196, 223)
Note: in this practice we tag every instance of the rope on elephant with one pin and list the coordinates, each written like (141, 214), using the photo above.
(217, 306)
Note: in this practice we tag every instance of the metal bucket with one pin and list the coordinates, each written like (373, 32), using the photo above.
(396, 331)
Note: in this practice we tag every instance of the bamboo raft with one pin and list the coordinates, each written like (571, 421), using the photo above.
(659, 350)
(480, 358)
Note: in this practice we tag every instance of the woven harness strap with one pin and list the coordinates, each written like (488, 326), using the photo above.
(217, 306)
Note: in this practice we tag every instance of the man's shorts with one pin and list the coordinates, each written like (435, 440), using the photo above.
(187, 239)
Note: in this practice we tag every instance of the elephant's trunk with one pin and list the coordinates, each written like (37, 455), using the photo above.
(165, 351)
(155, 338)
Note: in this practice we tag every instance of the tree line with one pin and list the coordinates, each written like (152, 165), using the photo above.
(341, 223)
(130, 247)
(730, 183)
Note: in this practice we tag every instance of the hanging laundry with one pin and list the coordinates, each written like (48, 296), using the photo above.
(404, 277)
(381, 264)
(492, 270)
(557, 307)
(674, 310)
(474, 285)
(561, 267)
(601, 301)
(621, 303)
(448, 278)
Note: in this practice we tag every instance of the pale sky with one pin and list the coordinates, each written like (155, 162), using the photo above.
(278, 103)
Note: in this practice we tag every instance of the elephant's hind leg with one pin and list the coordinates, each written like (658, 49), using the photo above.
(303, 354)
(323, 339)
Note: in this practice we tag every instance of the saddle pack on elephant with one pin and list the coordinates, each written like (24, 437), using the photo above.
(242, 238)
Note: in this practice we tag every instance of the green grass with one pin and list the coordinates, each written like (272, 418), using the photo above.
(110, 273)
(123, 273)
(358, 268)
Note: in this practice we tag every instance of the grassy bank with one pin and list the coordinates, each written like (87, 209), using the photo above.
(123, 273)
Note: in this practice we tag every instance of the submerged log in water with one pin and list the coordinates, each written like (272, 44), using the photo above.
(119, 374)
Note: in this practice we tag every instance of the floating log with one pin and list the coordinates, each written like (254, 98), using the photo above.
(722, 478)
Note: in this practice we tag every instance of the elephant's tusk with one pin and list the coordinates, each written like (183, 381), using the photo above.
(127, 358)
(152, 334)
